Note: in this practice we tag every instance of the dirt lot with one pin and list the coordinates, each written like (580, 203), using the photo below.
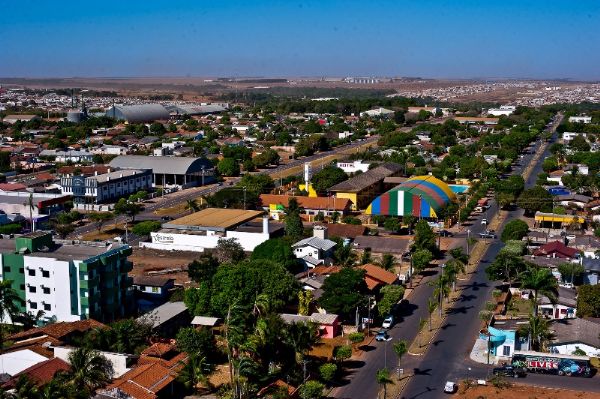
(147, 260)
(523, 392)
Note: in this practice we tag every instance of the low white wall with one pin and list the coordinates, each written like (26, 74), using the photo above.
(198, 243)
(118, 360)
(568, 349)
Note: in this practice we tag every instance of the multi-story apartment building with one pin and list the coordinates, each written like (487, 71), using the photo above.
(68, 282)
(107, 187)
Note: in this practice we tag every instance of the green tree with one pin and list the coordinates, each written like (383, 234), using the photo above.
(571, 272)
(311, 390)
(538, 332)
(588, 301)
(229, 250)
(146, 227)
(89, 370)
(400, 348)
(342, 353)
(100, 218)
(424, 237)
(387, 262)
(505, 199)
(192, 205)
(507, 266)
(540, 281)
(535, 199)
(293, 222)
(257, 183)
(514, 230)
(343, 292)
(10, 302)
(277, 250)
(421, 259)
(194, 372)
(328, 372)
(383, 379)
(392, 225)
(126, 207)
(198, 343)
(228, 167)
(580, 144)
(63, 230)
(328, 177)
(390, 296)
(203, 269)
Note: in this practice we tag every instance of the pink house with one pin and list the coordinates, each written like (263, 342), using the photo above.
(327, 323)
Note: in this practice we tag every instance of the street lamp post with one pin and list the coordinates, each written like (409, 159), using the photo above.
(468, 239)
(441, 289)
(410, 272)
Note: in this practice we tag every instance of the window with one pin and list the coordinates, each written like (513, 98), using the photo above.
(155, 290)
(506, 350)
(21, 270)
(6, 269)
(22, 287)
(33, 305)
(31, 272)
(46, 273)
(47, 307)
(32, 289)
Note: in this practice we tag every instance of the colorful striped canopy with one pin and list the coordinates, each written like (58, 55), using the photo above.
(421, 196)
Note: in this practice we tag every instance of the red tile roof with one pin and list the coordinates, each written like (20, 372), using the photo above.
(145, 381)
(58, 330)
(40, 373)
(12, 187)
(375, 275)
(344, 230)
(557, 249)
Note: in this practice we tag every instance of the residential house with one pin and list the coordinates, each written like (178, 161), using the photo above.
(168, 318)
(40, 373)
(328, 324)
(146, 381)
(151, 291)
(13, 363)
(556, 176)
(315, 250)
(572, 334)
(589, 245)
(377, 277)
(580, 119)
(591, 267)
(75, 156)
(573, 200)
(557, 249)
(381, 245)
(347, 232)
(311, 206)
(121, 362)
(564, 308)
(569, 136)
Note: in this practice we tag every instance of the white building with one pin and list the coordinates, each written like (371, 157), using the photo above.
(75, 156)
(580, 119)
(314, 250)
(569, 136)
(378, 112)
(107, 187)
(203, 230)
(353, 166)
(121, 362)
(505, 110)
(111, 150)
(12, 363)
(416, 110)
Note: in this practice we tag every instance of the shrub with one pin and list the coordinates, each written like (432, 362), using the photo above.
(328, 372)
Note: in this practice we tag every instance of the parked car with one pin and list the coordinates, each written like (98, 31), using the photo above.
(166, 218)
(450, 387)
(382, 336)
(510, 371)
(484, 221)
(487, 234)
(388, 322)
(446, 233)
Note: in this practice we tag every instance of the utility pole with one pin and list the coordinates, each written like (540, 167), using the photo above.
(468, 239)
(369, 317)
(244, 197)
(441, 289)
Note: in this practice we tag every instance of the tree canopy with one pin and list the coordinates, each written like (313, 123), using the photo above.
(514, 230)
(327, 177)
(535, 199)
(344, 291)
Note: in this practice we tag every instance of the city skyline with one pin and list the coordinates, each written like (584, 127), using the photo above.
(433, 39)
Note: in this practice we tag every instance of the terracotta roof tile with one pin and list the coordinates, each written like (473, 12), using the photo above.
(313, 203)
(378, 274)
(144, 381)
(344, 230)
(40, 373)
(58, 330)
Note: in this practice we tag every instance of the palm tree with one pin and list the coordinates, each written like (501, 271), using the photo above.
(400, 348)
(453, 268)
(194, 373)
(540, 281)
(538, 332)
(302, 337)
(25, 389)
(9, 305)
(89, 369)
(28, 319)
(56, 389)
(387, 262)
(431, 306)
(192, 205)
(383, 378)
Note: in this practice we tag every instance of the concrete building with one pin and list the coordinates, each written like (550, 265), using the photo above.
(580, 119)
(378, 112)
(569, 136)
(315, 250)
(416, 110)
(16, 204)
(476, 120)
(68, 282)
(365, 187)
(151, 291)
(12, 119)
(107, 187)
(203, 230)
(138, 113)
(353, 166)
(169, 171)
(75, 156)
(505, 110)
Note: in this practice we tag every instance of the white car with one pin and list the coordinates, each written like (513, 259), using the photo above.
(484, 221)
(450, 387)
(388, 322)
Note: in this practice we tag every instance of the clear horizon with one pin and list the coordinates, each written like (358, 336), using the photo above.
(540, 40)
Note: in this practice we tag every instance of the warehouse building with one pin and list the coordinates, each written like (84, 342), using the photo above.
(169, 171)
(203, 230)
(203, 109)
(138, 113)
(68, 282)
(363, 188)
(419, 196)
(107, 187)
(35, 206)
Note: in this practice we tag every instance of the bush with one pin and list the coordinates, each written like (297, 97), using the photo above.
(311, 390)
(351, 220)
(328, 372)
(356, 337)
(11, 228)
(514, 230)
(146, 227)
(343, 352)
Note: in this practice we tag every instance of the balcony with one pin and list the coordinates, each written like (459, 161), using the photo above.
(91, 283)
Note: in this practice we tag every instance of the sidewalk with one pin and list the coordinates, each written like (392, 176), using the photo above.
(479, 353)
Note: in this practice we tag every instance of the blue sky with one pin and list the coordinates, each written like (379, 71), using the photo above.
(454, 39)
